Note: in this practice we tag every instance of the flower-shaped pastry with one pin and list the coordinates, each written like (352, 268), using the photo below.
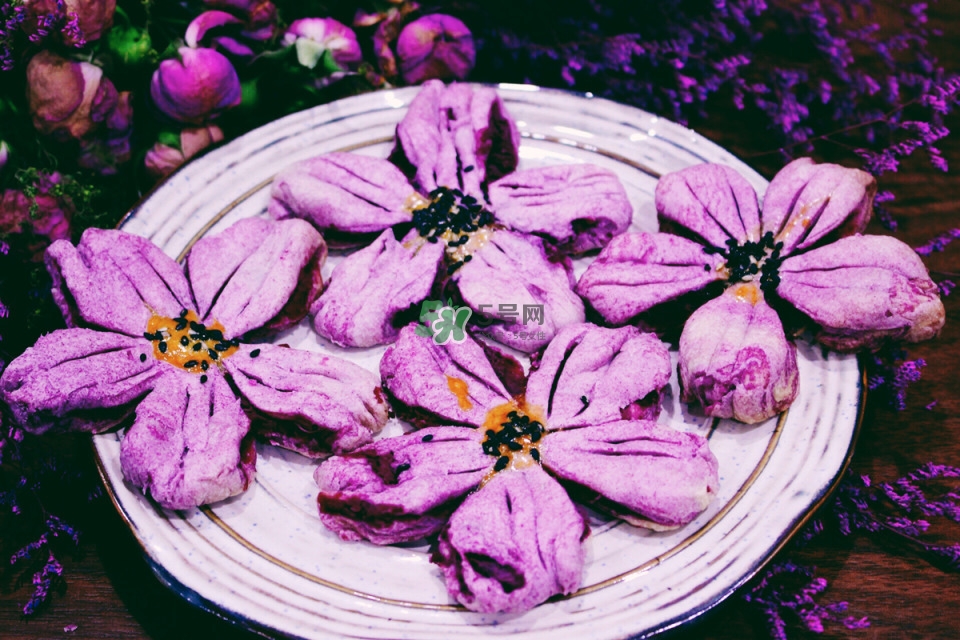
(482, 233)
(496, 481)
(177, 352)
(803, 252)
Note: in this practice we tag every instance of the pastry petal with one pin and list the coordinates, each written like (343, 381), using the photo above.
(115, 280)
(735, 361)
(512, 544)
(307, 402)
(807, 201)
(259, 273)
(863, 290)
(371, 286)
(78, 379)
(577, 207)
(638, 271)
(711, 200)
(648, 474)
(400, 489)
(188, 446)
(456, 136)
(453, 383)
(343, 194)
(591, 375)
(511, 269)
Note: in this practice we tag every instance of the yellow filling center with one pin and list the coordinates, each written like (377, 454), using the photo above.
(188, 344)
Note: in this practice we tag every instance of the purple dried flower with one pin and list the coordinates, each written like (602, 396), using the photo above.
(939, 243)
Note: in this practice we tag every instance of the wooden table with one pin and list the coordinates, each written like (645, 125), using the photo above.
(112, 593)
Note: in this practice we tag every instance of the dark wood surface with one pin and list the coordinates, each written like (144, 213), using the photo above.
(112, 593)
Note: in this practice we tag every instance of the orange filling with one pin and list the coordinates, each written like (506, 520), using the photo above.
(747, 293)
(188, 344)
(458, 388)
(525, 429)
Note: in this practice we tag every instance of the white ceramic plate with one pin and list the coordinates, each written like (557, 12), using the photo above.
(264, 559)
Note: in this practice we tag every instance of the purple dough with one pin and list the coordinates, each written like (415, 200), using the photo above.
(326, 403)
(343, 193)
(578, 207)
(114, 280)
(78, 379)
(512, 270)
(400, 489)
(423, 377)
(512, 544)
(187, 445)
(648, 474)
(259, 273)
(591, 375)
(638, 271)
(711, 200)
(735, 361)
(863, 290)
(458, 137)
(807, 201)
(371, 286)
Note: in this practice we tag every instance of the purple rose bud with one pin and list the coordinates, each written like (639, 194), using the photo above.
(198, 86)
(213, 29)
(162, 159)
(313, 37)
(435, 46)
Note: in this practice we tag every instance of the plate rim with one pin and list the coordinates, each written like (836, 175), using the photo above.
(261, 629)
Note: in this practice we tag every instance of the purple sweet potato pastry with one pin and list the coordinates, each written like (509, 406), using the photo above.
(78, 378)
(257, 274)
(371, 286)
(510, 269)
(801, 250)
(189, 443)
(400, 489)
(513, 544)
(145, 338)
(335, 405)
(344, 193)
(648, 474)
(591, 375)
(578, 207)
(454, 383)
(863, 290)
(458, 137)
(450, 172)
(638, 271)
(737, 362)
(509, 535)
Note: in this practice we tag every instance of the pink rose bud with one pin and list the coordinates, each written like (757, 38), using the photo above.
(198, 86)
(260, 16)
(313, 37)
(435, 46)
(61, 94)
(214, 29)
(162, 159)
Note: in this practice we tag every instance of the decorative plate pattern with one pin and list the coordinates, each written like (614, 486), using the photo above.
(264, 559)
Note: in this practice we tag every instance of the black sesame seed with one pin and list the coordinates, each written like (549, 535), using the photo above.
(198, 346)
(586, 403)
(204, 365)
(149, 336)
(184, 340)
(190, 364)
(221, 346)
(513, 445)
(203, 379)
(453, 268)
(213, 354)
(427, 438)
(535, 454)
(432, 240)
(468, 168)
(183, 312)
(502, 463)
(162, 346)
(181, 324)
(143, 357)
(255, 353)
(467, 258)
(401, 468)
(196, 326)
(706, 267)
(535, 437)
